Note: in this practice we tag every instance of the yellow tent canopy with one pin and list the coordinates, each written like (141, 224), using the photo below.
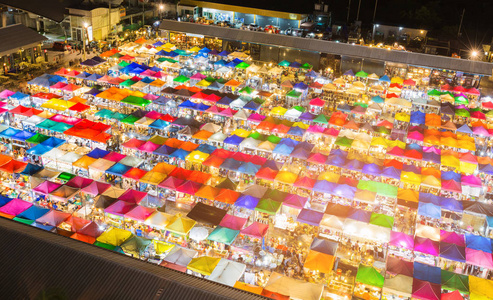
(410, 177)
(480, 289)
(203, 83)
(248, 287)
(203, 265)
(241, 132)
(153, 177)
(278, 110)
(58, 104)
(319, 261)
(197, 157)
(162, 247)
(379, 141)
(407, 195)
(195, 49)
(286, 177)
(396, 143)
(114, 236)
(402, 116)
(467, 167)
(431, 181)
(397, 80)
(450, 161)
(180, 225)
(84, 162)
(266, 146)
(301, 125)
(329, 176)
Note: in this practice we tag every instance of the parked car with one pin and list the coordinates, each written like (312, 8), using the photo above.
(60, 46)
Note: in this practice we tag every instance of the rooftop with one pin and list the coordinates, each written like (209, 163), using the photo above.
(18, 36)
(51, 9)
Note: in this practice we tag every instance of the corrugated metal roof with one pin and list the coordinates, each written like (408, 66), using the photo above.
(51, 9)
(411, 58)
(33, 261)
(18, 36)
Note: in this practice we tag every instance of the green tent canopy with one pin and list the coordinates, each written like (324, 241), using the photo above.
(118, 116)
(105, 246)
(452, 281)
(383, 130)
(369, 276)
(434, 92)
(104, 113)
(223, 235)
(461, 100)
(382, 220)
(462, 113)
(247, 90)
(163, 59)
(181, 79)
(299, 108)
(386, 190)
(65, 176)
(24, 221)
(259, 137)
(46, 124)
(243, 65)
(118, 55)
(306, 66)
(137, 101)
(274, 139)
(268, 206)
(361, 74)
(135, 245)
(128, 83)
(130, 119)
(294, 94)
(321, 119)
(181, 52)
(61, 127)
(344, 142)
(37, 138)
(365, 105)
(284, 63)
(210, 79)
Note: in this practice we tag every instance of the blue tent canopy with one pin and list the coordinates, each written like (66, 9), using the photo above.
(335, 160)
(272, 164)
(180, 153)
(147, 80)
(451, 175)
(252, 105)
(349, 73)
(296, 131)
(231, 164)
(118, 169)
(31, 169)
(233, 140)
(187, 104)
(18, 96)
(223, 53)
(231, 64)
(220, 63)
(377, 99)
(98, 153)
(433, 157)
(427, 273)
(429, 198)
(4, 200)
(22, 136)
(90, 62)
(300, 86)
(289, 142)
(310, 217)
(384, 78)
(305, 145)
(247, 201)
(372, 169)
(206, 148)
(39, 150)
(53, 142)
(164, 150)
(201, 107)
(34, 212)
(9, 132)
(344, 190)
(157, 44)
(155, 69)
(295, 64)
(465, 129)
(283, 149)
(93, 77)
(300, 152)
(430, 210)
(249, 168)
(225, 100)
(82, 75)
(451, 204)
(324, 246)
(312, 74)
(417, 117)
(477, 242)
(452, 252)
(44, 227)
(159, 124)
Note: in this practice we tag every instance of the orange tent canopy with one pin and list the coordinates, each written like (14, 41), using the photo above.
(319, 261)
(207, 192)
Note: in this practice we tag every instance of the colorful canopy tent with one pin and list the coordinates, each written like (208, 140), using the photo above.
(204, 265)
(400, 285)
(114, 236)
(180, 225)
(293, 288)
(319, 261)
(223, 235)
(369, 276)
(426, 290)
(227, 272)
(479, 288)
(135, 246)
(207, 214)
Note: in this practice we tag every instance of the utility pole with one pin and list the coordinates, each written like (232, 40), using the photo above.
(348, 10)
(375, 11)
(357, 15)
(460, 24)
(109, 18)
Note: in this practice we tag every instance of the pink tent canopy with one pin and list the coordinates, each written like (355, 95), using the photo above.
(148, 72)
(295, 201)
(91, 229)
(153, 114)
(15, 207)
(331, 131)
(455, 295)
(114, 156)
(70, 87)
(132, 196)
(53, 218)
(139, 213)
(415, 135)
(46, 187)
(214, 109)
(149, 147)
(452, 238)
(425, 290)
(401, 240)
(432, 149)
(480, 130)
(255, 117)
(317, 102)
(471, 180)
(171, 183)
(79, 182)
(479, 258)
(5, 94)
(119, 208)
(189, 187)
(58, 85)
(198, 76)
(426, 246)
(315, 129)
(233, 222)
(452, 186)
(473, 91)
(317, 158)
(152, 98)
(133, 143)
(228, 112)
(256, 229)
(96, 188)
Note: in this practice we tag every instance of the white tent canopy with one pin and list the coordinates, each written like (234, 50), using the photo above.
(227, 272)
(400, 285)
(180, 256)
(294, 288)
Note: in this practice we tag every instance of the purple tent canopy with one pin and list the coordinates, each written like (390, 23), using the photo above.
(372, 169)
(349, 73)
(307, 116)
(360, 215)
(452, 238)
(295, 201)
(300, 86)
(334, 160)
(324, 186)
(233, 140)
(354, 165)
(310, 217)
(429, 198)
(451, 204)
(431, 156)
(426, 246)
(411, 168)
(338, 152)
(247, 201)
(391, 172)
(452, 252)
(300, 153)
(344, 190)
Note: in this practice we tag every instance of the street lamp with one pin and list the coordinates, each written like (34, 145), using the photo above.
(474, 54)
(84, 38)
(161, 8)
